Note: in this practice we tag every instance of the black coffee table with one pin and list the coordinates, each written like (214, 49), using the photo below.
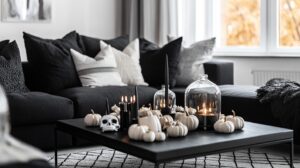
(197, 143)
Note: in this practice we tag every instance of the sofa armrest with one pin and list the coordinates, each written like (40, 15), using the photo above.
(219, 72)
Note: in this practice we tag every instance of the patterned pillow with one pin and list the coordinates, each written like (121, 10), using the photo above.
(11, 72)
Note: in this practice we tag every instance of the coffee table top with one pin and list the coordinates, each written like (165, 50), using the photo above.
(196, 143)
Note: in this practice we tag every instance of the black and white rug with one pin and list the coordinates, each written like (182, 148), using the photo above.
(106, 157)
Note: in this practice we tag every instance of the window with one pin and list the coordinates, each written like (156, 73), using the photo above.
(240, 22)
(289, 33)
(254, 27)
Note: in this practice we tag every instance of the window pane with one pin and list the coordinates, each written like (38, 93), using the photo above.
(240, 22)
(289, 23)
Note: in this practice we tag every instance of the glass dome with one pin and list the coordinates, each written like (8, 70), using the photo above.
(159, 99)
(205, 97)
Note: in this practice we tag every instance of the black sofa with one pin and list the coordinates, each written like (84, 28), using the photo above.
(33, 114)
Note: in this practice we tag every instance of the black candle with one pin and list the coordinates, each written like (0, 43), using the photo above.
(166, 109)
(136, 99)
(107, 107)
(166, 82)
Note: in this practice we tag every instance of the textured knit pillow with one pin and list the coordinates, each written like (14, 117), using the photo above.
(92, 44)
(191, 60)
(153, 62)
(11, 72)
(99, 71)
(52, 61)
(128, 62)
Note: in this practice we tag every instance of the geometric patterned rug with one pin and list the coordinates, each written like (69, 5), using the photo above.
(106, 157)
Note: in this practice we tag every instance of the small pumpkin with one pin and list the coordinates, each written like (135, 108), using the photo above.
(177, 130)
(149, 136)
(224, 126)
(136, 131)
(92, 119)
(116, 109)
(191, 110)
(236, 120)
(151, 121)
(178, 115)
(190, 121)
(160, 136)
(164, 119)
(179, 109)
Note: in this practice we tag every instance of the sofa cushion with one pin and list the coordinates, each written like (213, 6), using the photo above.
(86, 98)
(52, 61)
(11, 72)
(153, 63)
(243, 100)
(92, 44)
(38, 108)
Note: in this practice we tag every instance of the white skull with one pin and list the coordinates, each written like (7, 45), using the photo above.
(109, 123)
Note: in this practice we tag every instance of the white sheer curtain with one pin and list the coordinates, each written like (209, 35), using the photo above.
(156, 19)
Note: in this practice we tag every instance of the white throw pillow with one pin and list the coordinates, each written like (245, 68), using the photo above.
(128, 63)
(191, 60)
(99, 71)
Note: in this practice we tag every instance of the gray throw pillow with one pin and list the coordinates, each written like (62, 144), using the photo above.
(191, 60)
(11, 72)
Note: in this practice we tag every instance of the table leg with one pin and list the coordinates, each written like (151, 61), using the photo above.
(55, 147)
(291, 154)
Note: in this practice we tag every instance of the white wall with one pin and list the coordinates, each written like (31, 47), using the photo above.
(244, 66)
(99, 18)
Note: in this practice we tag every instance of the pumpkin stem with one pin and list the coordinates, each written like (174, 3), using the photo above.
(225, 119)
(187, 114)
(93, 112)
(233, 112)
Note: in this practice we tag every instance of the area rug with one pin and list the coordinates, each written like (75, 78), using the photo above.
(106, 157)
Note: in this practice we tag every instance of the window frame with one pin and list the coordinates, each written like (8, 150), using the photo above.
(269, 32)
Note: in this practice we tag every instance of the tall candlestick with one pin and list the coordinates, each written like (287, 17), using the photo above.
(137, 98)
(166, 82)
(107, 107)
(166, 109)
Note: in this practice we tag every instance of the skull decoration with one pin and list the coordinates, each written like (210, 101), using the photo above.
(109, 123)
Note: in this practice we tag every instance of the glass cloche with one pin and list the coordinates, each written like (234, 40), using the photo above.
(159, 99)
(205, 97)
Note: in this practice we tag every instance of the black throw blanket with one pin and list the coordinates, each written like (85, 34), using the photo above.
(284, 98)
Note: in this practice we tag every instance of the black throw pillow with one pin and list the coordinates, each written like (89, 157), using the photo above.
(52, 61)
(92, 45)
(11, 72)
(3, 44)
(152, 61)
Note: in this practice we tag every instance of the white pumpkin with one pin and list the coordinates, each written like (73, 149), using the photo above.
(224, 126)
(190, 121)
(151, 121)
(149, 136)
(136, 131)
(164, 119)
(177, 130)
(190, 110)
(92, 119)
(116, 109)
(156, 112)
(179, 109)
(160, 136)
(236, 120)
(144, 111)
(178, 115)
